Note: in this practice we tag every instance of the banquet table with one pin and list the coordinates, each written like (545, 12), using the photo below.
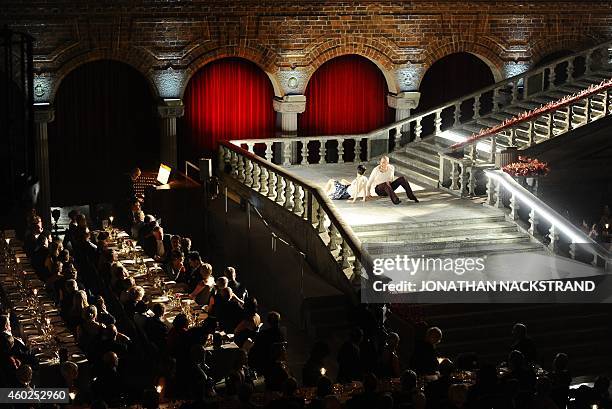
(40, 325)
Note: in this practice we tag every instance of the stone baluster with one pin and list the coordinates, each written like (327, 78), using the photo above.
(493, 148)
(530, 138)
(333, 238)
(572, 250)
(550, 125)
(552, 77)
(533, 222)
(279, 188)
(457, 114)
(553, 236)
(454, 174)
(304, 153)
(286, 153)
(512, 137)
(570, 71)
(472, 181)
(272, 184)
(514, 207)
(341, 150)
(345, 253)
(499, 200)
(234, 163)
(248, 172)
(268, 154)
(256, 173)
(250, 147)
(514, 92)
(298, 204)
(587, 110)
(418, 129)
(322, 151)
(490, 191)
(320, 219)
(288, 194)
(568, 118)
(241, 168)
(606, 102)
(473, 152)
(263, 180)
(463, 179)
(358, 150)
(357, 269)
(438, 122)
(476, 107)
(495, 100)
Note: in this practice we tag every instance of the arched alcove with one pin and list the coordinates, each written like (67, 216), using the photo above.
(345, 95)
(105, 124)
(229, 98)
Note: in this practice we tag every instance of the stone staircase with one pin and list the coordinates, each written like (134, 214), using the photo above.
(476, 236)
(419, 161)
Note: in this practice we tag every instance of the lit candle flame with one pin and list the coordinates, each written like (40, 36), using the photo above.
(35, 291)
(72, 395)
(323, 371)
(158, 388)
(111, 218)
(18, 260)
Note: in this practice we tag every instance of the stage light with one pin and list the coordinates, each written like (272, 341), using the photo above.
(163, 175)
(455, 137)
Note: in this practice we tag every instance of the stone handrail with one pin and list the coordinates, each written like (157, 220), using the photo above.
(565, 239)
(524, 132)
(303, 200)
(509, 91)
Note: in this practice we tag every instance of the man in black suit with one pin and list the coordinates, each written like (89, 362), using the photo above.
(155, 327)
(158, 246)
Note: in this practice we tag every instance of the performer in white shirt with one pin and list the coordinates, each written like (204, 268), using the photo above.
(343, 189)
(382, 182)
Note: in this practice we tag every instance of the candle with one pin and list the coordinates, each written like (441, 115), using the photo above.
(18, 260)
(35, 291)
(607, 226)
(72, 395)
(111, 218)
(158, 388)
(323, 371)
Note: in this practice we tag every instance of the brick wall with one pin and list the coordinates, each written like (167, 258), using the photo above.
(168, 40)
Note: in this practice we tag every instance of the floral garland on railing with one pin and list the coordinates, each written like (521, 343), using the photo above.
(527, 167)
(528, 115)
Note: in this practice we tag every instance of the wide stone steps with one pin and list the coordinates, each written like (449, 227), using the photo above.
(459, 232)
(468, 249)
(428, 224)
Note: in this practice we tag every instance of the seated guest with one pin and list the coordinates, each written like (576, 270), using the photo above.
(324, 389)
(178, 337)
(157, 246)
(382, 182)
(409, 396)
(110, 339)
(30, 242)
(248, 327)
(89, 329)
(520, 371)
(175, 269)
(175, 242)
(289, 400)
(487, 392)
(118, 273)
(312, 370)
(66, 296)
(369, 398)
(77, 312)
(69, 236)
(41, 251)
(425, 358)
(437, 391)
(199, 385)
(139, 223)
(457, 396)
(349, 358)
(260, 353)
(156, 328)
(55, 248)
(108, 385)
(225, 306)
(524, 344)
(104, 317)
(237, 288)
(390, 365)
(276, 371)
(186, 245)
(202, 291)
(343, 189)
(131, 298)
(561, 380)
(18, 348)
(24, 377)
(8, 362)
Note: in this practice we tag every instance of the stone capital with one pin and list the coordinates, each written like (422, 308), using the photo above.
(404, 100)
(290, 104)
(43, 113)
(171, 108)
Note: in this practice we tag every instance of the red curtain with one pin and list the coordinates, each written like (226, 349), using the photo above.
(227, 99)
(345, 95)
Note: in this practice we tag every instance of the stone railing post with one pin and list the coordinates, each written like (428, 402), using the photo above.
(168, 111)
(287, 108)
(403, 103)
(43, 114)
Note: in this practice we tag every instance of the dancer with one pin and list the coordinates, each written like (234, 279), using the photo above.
(382, 182)
(343, 189)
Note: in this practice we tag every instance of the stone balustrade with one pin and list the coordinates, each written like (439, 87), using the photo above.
(541, 221)
(300, 198)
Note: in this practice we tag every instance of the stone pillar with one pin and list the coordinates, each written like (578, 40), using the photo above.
(169, 110)
(43, 114)
(403, 103)
(288, 108)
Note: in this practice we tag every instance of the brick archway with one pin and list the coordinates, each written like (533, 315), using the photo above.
(138, 60)
(261, 56)
(544, 47)
(365, 47)
(488, 51)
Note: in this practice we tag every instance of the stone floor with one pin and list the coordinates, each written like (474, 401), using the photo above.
(434, 204)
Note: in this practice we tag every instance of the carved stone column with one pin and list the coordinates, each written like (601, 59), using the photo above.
(287, 108)
(403, 103)
(43, 114)
(169, 110)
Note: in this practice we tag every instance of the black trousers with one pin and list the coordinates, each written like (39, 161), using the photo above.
(388, 189)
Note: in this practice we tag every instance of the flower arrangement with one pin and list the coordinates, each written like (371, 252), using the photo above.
(526, 167)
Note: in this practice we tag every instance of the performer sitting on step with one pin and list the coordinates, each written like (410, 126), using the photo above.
(343, 189)
(382, 182)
